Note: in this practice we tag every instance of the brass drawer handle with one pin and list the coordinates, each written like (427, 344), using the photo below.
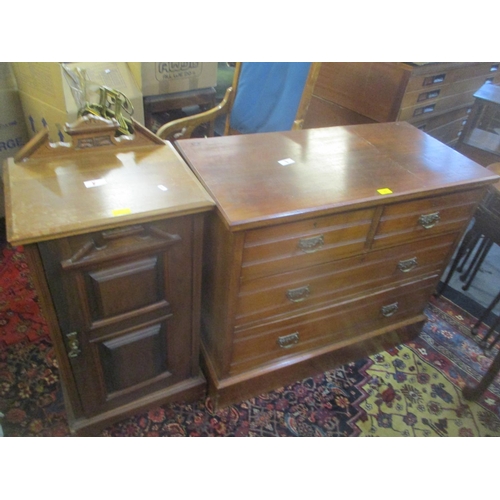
(389, 309)
(73, 345)
(429, 220)
(309, 245)
(288, 341)
(298, 294)
(406, 266)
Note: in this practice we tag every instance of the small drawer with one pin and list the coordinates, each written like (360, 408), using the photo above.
(344, 322)
(297, 291)
(300, 244)
(409, 221)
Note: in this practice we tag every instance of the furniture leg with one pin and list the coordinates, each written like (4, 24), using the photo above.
(483, 251)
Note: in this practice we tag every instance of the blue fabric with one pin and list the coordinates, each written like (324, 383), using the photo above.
(268, 96)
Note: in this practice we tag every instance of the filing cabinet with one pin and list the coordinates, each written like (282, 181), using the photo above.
(435, 97)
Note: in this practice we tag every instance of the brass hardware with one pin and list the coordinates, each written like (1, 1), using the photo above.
(309, 245)
(73, 345)
(298, 294)
(288, 341)
(407, 265)
(389, 309)
(112, 104)
(429, 220)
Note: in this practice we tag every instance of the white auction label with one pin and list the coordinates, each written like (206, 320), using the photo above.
(286, 161)
(94, 183)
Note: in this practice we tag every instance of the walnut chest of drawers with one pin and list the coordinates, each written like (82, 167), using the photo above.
(435, 97)
(325, 245)
(112, 230)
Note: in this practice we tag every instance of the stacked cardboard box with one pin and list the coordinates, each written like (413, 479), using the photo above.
(156, 78)
(13, 134)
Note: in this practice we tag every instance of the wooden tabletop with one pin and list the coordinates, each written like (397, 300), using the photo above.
(97, 189)
(260, 178)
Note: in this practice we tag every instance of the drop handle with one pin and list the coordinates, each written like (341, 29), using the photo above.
(310, 245)
(287, 341)
(388, 310)
(429, 220)
(406, 266)
(298, 294)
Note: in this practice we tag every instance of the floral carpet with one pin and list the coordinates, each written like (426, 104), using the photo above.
(411, 390)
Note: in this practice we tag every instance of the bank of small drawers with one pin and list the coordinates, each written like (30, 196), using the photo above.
(302, 283)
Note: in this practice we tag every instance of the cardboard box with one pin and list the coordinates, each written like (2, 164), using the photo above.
(47, 98)
(13, 134)
(7, 80)
(155, 78)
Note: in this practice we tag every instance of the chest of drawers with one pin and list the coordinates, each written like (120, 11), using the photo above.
(325, 245)
(112, 231)
(435, 97)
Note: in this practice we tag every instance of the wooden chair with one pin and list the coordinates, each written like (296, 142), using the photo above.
(486, 227)
(264, 97)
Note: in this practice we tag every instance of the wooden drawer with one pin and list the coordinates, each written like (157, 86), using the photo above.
(433, 76)
(344, 322)
(436, 106)
(423, 96)
(295, 245)
(297, 291)
(434, 122)
(450, 132)
(408, 221)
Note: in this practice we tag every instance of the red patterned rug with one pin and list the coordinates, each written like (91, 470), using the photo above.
(411, 390)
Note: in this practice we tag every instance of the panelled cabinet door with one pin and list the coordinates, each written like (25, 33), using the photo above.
(123, 299)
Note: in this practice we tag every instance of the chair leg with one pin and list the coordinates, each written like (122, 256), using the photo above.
(485, 314)
(470, 250)
(464, 250)
(473, 393)
(469, 276)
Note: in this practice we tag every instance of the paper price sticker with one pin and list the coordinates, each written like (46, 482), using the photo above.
(286, 161)
(94, 183)
(384, 191)
(121, 211)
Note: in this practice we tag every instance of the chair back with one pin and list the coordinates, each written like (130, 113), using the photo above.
(268, 95)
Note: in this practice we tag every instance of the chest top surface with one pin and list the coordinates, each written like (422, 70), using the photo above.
(73, 192)
(259, 179)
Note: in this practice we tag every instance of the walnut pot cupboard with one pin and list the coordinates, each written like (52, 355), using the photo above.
(325, 245)
(113, 235)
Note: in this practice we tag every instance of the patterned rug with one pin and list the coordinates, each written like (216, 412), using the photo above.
(411, 390)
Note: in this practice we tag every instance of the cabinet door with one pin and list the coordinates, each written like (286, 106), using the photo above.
(124, 301)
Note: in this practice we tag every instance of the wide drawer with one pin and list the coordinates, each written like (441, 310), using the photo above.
(297, 291)
(431, 76)
(343, 322)
(305, 243)
(422, 96)
(409, 221)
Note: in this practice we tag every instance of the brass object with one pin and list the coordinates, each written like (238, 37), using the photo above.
(407, 265)
(73, 345)
(287, 341)
(389, 309)
(298, 294)
(429, 220)
(112, 104)
(309, 245)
